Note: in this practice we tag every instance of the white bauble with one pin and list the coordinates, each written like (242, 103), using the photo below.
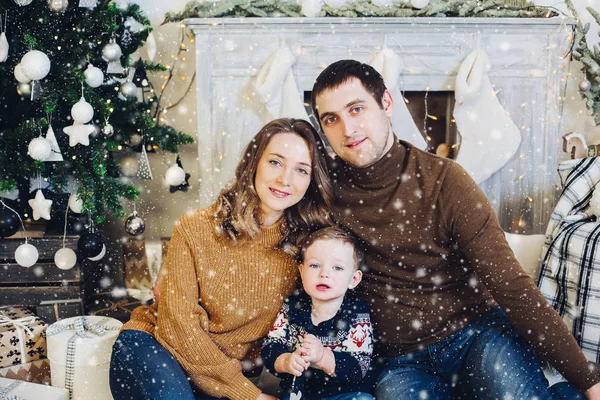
(58, 6)
(310, 8)
(82, 111)
(75, 204)
(419, 3)
(128, 89)
(175, 175)
(382, 3)
(129, 166)
(93, 76)
(19, 75)
(26, 255)
(3, 47)
(23, 2)
(336, 3)
(151, 46)
(35, 65)
(99, 256)
(39, 149)
(24, 89)
(65, 258)
(111, 51)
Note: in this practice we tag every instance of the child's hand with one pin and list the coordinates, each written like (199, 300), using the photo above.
(291, 363)
(311, 349)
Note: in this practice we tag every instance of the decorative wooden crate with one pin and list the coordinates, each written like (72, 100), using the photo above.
(44, 280)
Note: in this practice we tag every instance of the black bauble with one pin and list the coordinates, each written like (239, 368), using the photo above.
(9, 222)
(90, 244)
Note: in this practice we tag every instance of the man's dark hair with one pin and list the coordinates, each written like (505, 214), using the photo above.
(342, 71)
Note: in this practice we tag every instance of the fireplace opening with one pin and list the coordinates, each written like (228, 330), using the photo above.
(432, 113)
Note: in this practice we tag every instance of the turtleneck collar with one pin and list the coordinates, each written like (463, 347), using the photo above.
(383, 173)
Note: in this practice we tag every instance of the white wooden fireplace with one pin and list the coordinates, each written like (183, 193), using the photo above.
(529, 67)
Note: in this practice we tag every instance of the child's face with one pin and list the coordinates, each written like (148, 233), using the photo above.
(328, 270)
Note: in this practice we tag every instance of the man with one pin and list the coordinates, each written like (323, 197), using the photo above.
(437, 262)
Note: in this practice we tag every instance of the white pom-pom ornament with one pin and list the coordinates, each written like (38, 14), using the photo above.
(26, 255)
(419, 3)
(175, 176)
(35, 65)
(39, 149)
(82, 112)
(19, 75)
(310, 8)
(93, 76)
(65, 258)
(75, 204)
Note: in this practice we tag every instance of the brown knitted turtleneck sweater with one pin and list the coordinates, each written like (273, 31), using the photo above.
(217, 302)
(437, 258)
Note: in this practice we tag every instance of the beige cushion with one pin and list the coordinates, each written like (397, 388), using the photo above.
(528, 250)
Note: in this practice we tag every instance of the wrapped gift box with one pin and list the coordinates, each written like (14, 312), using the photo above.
(79, 350)
(54, 310)
(22, 336)
(34, 372)
(19, 390)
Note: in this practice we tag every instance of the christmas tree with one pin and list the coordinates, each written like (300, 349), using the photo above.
(589, 87)
(72, 99)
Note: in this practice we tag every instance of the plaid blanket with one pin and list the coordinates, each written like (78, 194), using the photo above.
(570, 272)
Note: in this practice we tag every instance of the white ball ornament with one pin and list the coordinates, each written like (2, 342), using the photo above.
(99, 256)
(65, 258)
(19, 75)
(24, 89)
(335, 3)
(39, 149)
(128, 89)
(175, 175)
(75, 204)
(82, 112)
(111, 51)
(58, 6)
(26, 255)
(93, 76)
(310, 8)
(419, 3)
(35, 65)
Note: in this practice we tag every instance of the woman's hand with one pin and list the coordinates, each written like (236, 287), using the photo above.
(291, 363)
(263, 396)
(312, 349)
(593, 393)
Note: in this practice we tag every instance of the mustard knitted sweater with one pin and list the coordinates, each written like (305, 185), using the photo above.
(217, 302)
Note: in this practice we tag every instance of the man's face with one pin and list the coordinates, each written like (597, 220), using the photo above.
(357, 129)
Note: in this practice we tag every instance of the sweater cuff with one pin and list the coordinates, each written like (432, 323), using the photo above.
(240, 388)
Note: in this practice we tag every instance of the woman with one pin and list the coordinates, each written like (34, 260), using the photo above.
(228, 270)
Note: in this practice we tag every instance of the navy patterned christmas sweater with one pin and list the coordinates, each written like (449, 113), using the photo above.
(348, 335)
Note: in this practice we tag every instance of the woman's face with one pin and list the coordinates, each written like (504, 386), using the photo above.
(282, 175)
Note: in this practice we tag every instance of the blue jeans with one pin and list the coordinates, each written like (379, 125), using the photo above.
(345, 396)
(486, 360)
(141, 369)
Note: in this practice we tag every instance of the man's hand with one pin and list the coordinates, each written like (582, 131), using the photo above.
(593, 393)
(291, 363)
(311, 349)
(263, 396)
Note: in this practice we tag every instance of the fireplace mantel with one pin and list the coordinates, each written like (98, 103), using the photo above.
(528, 70)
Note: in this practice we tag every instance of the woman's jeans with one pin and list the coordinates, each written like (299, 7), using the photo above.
(486, 360)
(345, 396)
(142, 369)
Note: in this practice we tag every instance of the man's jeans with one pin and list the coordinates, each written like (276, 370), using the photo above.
(142, 369)
(486, 360)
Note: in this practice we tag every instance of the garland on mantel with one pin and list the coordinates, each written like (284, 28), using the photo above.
(589, 87)
(363, 8)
